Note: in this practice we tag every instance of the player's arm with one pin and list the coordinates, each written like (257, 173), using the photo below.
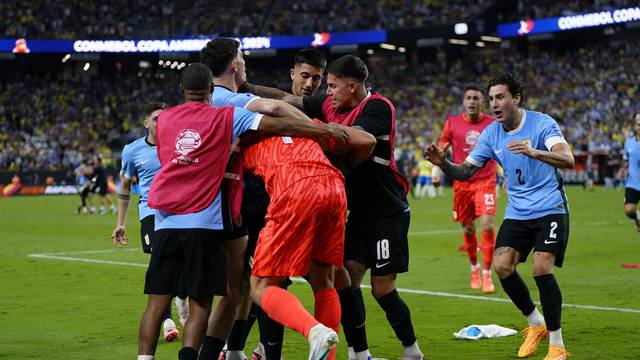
(445, 140)
(437, 156)
(124, 195)
(298, 127)
(276, 108)
(559, 156)
(358, 147)
(272, 93)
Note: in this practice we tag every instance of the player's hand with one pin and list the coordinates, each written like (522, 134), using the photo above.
(520, 147)
(338, 132)
(435, 154)
(118, 237)
(436, 180)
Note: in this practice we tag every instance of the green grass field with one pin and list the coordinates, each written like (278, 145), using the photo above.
(68, 309)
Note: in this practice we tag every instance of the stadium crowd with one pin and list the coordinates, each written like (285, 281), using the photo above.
(540, 9)
(591, 96)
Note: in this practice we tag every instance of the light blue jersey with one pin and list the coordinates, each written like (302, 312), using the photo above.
(535, 188)
(211, 217)
(222, 96)
(632, 155)
(140, 159)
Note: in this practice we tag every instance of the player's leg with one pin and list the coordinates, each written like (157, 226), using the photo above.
(150, 323)
(485, 207)
(326, 301)
(222, 318)
(514, 242)
(631, 198)
(464, 213)
(551, 243)
(471, 247)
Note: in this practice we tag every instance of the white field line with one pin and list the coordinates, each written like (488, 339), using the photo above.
(61, 256)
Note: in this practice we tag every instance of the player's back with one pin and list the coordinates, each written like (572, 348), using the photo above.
(632, 155)
(282, 160)
(140, 159)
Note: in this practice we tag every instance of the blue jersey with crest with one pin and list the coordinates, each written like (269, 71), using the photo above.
(632, 155)
(535, 189)
(140, 159)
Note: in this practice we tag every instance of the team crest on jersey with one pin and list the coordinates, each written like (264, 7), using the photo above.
(471, 139)
(527, 142)
(187, 141)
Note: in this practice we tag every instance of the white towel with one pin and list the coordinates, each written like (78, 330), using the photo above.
(475, 332)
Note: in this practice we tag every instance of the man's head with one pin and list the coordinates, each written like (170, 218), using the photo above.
(636, 123)
(346, 81)
(224, 57)
(196, 82)
(306, 75)
(505, 96)
(151, 112)
(472, 101)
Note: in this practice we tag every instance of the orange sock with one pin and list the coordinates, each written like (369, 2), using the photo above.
(471, 242)
(487, 246)
(283, 307)
(327, 310)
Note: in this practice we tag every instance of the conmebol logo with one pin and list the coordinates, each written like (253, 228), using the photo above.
(320, 39)
(526, 27)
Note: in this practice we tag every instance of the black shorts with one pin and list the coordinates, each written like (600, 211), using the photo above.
(548, 234)
(187, 262)
(100, 187)
(380, 243)
(147, 233)
(631, 196)
(255, 202)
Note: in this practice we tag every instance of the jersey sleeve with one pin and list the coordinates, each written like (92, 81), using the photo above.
(483, 151)
(242, 100)
(128, 169)
(446, 135)
(551, 134)
(243, 121)
(375, 118)
(312, 106)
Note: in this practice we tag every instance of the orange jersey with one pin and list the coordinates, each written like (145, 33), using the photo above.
(463, 135)
(282, 160)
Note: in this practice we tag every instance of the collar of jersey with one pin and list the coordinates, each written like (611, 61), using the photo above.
(516, 130)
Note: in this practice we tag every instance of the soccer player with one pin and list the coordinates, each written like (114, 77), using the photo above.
(530, 147)
(424, 182)
(307, 72)
(631, 171)
(140, 160)
(192, 216)
(101, 185)
(83, 173)
(475, 198)
(226, 61)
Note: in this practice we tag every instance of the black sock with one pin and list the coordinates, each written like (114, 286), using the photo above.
(253, 316)
(518, 292)
(236, 337)
(187, 353)
(399, 317)
(211, 348)
(353, 318)
(167, 314)
(551, 300)
(271, 336)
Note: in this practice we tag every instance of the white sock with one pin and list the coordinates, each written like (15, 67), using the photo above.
(363, 355)
(235, 355)
(535, 318)
(145, 357)
(475, 267)
(412, 349)
(351, 354)
(486, 272)
(555, 338)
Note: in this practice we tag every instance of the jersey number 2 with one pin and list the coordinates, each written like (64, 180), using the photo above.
(520, 179)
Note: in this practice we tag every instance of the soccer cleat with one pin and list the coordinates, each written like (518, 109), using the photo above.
(183, 310)
(321, 340)
(476, 282)
(556, 353)
(637, 222)
(532, 337)
(487, 284)
(170, 331)
(413, 357)
(462, 248)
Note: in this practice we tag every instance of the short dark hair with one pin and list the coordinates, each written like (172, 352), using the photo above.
(512, 82)
(349, 66)
(473, 87)
(196, 76)
(150, 107)
(312, 57)
(218, 53)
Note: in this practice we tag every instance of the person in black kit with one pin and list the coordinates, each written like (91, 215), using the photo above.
(378, 222)
(101, 186)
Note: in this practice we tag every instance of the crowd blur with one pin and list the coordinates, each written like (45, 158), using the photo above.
(49, 123)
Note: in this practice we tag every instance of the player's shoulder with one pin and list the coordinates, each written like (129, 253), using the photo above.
(539, 118)
(134, 146)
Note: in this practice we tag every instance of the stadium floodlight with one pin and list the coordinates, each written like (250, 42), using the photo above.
(370, 51)
(480, 44)
(66, 58)
(247, 53)
(86, 66)
(461, 28)
(388, 46)
(174, 65)
(402, 49)
(458, 42)
(160, 62)
(490, 38)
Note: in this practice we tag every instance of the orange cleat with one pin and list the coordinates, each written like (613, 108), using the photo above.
(556, 353)
(532, 337)
(487, 283)
(476, 282)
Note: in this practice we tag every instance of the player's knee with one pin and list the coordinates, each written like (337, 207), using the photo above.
(630, 211)
(543, 263)
(342, 279)
(504, 269)
(381, 286)
(469, 228)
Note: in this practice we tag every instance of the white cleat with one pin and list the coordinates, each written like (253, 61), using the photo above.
(170, 331)
(322, 340)
(183, 310)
